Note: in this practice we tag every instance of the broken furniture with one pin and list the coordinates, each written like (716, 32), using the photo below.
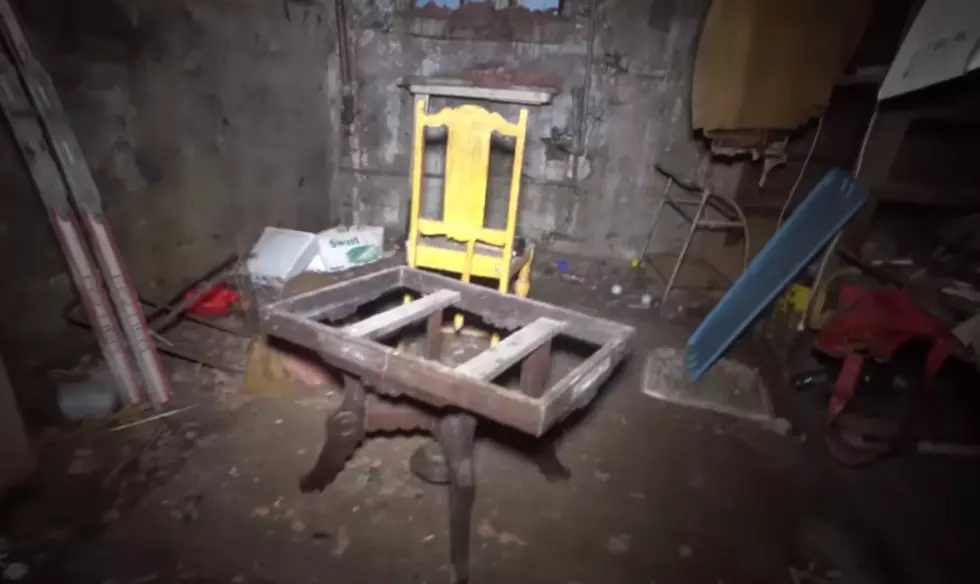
(390, 390)
(828, 207)
(704, 198)
(460, 242)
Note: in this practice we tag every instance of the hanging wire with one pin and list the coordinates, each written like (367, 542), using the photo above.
(799, 177)
(833, 244)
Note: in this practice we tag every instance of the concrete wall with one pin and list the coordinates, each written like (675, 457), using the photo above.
(637, 112)
(202, 120)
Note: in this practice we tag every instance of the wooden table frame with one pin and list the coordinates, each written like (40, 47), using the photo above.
(532, 411)
(452, 398)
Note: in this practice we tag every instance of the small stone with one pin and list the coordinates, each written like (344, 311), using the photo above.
(781, 426)
(428, 538)
(619, 544)
(602, 476)
(508, 538)
(342, 543)
(15, 571)
(297, 526)
(684, 551)
(260, 512)
(486, 530)
(233, 471)
(190, 435)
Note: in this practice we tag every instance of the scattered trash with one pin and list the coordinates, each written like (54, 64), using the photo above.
(616, 289)
(730, 387)
(15, 571)
(566, 277)
(619, 544)
(601, 475)
(561, 265)
(646, 299)
(428, 538)
(297, 526)
(93, 398)
(281, 254)
(260, 512)
(153, 418)
(343, 542)
(684, 551)
(342, 248)
(780, 426)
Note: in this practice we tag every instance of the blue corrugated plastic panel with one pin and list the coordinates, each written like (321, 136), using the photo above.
(828, 207)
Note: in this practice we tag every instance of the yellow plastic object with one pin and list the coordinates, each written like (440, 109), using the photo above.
(459, 242)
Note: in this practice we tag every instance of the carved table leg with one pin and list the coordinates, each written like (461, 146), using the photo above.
(345, 431)
(455, 433)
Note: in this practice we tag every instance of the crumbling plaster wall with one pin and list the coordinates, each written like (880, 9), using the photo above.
(637, 112)
(202, 121)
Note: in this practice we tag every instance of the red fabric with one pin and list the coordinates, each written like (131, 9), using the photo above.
(876, 323)
(215, 301)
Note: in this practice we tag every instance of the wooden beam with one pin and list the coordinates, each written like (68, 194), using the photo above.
(495, 360)
(392, 320)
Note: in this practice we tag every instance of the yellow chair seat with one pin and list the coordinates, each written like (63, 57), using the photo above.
(443, 253)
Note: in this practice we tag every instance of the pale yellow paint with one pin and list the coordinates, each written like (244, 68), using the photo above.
(464, 200)
(465, 195)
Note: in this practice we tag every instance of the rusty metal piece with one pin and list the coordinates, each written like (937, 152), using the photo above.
(344, 433)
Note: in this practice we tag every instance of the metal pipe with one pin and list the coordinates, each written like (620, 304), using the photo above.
(586, 85)
(343, 55)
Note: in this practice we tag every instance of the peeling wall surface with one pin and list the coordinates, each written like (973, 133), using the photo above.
(636, 114)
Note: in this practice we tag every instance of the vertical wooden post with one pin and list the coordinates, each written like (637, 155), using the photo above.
(433, 336)
(535, 370)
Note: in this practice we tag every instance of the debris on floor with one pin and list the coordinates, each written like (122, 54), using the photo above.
(731, 387)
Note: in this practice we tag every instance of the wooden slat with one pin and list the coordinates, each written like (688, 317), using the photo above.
(497, 359)
(390, 321)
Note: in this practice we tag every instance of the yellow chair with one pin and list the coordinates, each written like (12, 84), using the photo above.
(459, 242)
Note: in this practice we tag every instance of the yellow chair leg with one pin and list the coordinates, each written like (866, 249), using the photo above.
(401, 343)
(523, 286)
(467, 269)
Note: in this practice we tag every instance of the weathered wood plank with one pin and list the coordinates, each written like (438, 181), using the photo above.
(389, 321)
(511, 312)
(396, 373)
(495, 360)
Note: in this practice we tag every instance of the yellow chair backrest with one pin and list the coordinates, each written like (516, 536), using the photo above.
(467, 171)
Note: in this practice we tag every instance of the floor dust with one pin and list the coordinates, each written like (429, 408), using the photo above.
(657, 493)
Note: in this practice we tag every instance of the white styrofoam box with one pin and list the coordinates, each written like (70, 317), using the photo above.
(345, 247)
(281, 254)
(316, 265)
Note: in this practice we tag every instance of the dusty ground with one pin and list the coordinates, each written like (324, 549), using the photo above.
(658, 493)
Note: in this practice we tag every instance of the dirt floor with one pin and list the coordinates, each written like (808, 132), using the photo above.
(658, 493)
